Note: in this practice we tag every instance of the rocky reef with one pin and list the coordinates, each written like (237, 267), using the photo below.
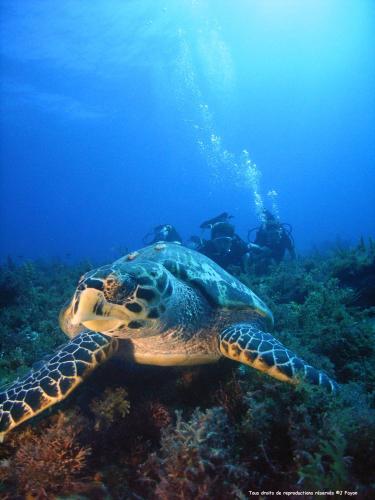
(216, 431)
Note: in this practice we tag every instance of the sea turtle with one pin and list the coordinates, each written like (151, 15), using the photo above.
(163, 305)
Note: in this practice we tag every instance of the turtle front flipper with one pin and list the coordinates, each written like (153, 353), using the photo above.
(247, 344)
(54, 379)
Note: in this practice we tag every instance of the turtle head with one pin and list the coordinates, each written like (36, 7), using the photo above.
(120, 301)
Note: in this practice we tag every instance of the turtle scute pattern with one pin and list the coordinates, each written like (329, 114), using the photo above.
(251, 346)
(221, 289)
(54, 380)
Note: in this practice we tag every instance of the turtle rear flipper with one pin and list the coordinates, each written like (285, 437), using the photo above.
(247, 344)
(54, 379)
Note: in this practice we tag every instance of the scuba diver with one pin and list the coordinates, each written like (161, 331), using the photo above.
(197, 242)
(223, 217)
(163, 232)
(224, 247)
(272, 239)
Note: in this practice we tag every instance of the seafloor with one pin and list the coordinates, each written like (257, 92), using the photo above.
(209, 432)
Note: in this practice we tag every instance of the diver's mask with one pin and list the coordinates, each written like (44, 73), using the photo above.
(223, 244)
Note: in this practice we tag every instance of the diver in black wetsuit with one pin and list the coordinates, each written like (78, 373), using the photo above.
(225, 247)
(163, 232)
(273, 239)
(197, 242)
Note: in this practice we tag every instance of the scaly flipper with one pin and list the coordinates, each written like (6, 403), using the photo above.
(54, 380)
(247, 344)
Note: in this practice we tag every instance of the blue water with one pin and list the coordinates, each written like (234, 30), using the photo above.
(117, 116)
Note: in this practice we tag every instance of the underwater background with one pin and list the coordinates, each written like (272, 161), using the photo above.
(117, 116)
(121, 115)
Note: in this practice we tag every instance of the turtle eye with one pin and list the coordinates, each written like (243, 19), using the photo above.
(117, 289)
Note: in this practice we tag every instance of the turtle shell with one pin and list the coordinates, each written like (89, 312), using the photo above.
(221, 289)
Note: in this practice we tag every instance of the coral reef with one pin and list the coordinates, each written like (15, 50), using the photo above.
(355, 268)
(196, 459)
(213, 431)
(48, 462)
(110, 408)
(29, 327)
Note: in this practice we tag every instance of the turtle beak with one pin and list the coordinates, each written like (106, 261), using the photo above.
(65, 322)
(90, 309)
